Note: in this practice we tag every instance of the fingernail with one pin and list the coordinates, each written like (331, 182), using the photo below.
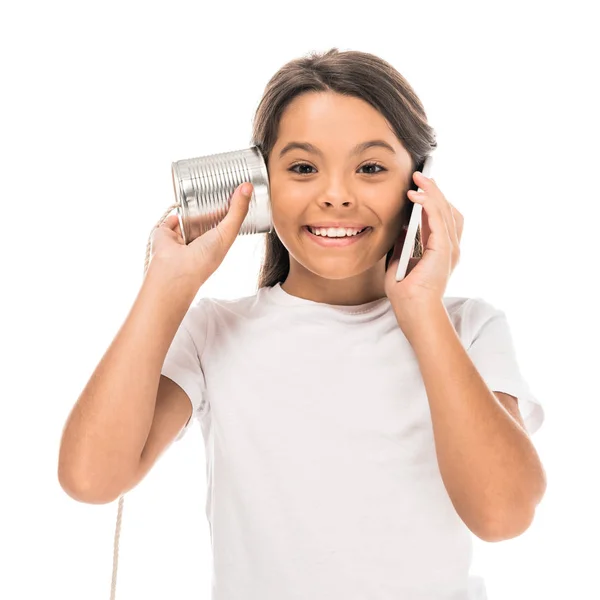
(246, 189)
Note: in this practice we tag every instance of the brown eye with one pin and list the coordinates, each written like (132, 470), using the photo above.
(377, 165)
(374, 165)
(293, 167)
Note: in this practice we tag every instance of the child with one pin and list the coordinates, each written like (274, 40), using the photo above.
(358, 430)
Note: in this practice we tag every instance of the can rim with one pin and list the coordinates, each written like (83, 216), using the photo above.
(181, 207)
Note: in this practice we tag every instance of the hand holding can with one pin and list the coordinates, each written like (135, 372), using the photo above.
(201, 257)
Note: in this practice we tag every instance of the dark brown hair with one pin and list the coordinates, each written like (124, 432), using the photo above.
(351, 73)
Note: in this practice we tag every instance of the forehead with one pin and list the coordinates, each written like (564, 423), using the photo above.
(314, 111)
(335, 123)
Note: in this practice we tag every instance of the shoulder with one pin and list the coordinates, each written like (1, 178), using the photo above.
(208, 310)
(470, 314)
(233, 306)
(474, 306)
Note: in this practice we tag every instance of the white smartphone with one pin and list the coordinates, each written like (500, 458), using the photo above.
(413, 224)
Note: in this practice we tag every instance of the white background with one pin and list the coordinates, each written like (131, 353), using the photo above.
(99, 98)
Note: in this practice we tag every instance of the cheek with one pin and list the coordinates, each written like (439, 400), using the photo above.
(288, 206)
(400, 211)
(393, 222)
(285, 218)
(390, 208)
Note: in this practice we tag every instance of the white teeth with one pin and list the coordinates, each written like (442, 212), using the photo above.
(335, 231)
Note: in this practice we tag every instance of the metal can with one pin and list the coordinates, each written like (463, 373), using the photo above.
(204, 187)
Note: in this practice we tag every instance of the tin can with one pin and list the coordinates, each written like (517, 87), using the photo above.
(204, 187)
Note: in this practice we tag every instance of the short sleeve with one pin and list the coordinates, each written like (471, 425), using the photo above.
(183, 362)
(492, 351)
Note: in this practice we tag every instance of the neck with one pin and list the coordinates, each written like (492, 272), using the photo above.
(352, 291)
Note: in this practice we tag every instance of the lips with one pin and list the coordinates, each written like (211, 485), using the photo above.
(360, 229)
(325, 241)
(337, 225)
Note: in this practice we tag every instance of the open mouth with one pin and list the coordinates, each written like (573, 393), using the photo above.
(336, 237)
(343, 240)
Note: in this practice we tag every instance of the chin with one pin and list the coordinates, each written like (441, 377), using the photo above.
(334, 269)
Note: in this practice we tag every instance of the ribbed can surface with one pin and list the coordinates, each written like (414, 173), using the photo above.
(205, 185)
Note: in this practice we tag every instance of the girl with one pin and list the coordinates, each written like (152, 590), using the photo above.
(358, 430)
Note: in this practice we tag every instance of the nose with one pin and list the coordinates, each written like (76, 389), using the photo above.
(337, 203)
(336, 199)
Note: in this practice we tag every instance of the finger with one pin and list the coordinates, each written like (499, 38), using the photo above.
(452, 225)
(430, 187)
(170, 222)
(455, 225)
(230, 225)
(459, 220)
(425, 183)
(434, 220)
(453, 221)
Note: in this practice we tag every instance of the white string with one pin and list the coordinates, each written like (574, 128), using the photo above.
(113, 587)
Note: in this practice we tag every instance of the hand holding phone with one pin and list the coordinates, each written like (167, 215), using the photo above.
(413, 224)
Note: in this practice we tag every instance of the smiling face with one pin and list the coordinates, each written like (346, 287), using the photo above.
(338, 184)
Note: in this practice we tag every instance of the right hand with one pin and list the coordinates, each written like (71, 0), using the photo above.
(202, 256)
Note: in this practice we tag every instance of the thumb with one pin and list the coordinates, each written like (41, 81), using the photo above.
(245, 191)
(240, 203)
(238, 209)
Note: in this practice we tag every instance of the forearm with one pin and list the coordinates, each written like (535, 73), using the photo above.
(488, 463)
(107, 428)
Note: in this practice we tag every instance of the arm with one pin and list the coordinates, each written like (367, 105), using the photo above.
(488, 463)
(108, 427)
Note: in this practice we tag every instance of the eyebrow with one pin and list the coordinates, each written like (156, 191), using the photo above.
(356, 150)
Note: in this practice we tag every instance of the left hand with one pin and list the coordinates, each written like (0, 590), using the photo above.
(441, 231)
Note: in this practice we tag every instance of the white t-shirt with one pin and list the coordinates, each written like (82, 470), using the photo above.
(322, 474)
